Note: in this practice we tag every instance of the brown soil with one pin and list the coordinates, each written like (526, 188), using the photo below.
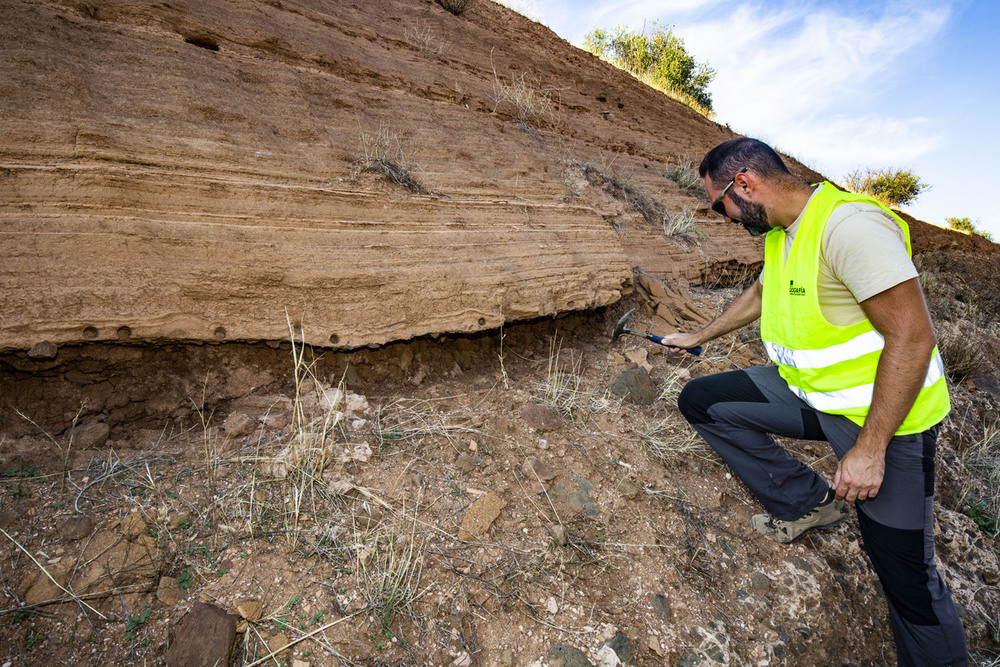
(166, 204)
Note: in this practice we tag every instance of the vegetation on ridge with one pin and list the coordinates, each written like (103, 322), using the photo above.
(966, 226)
(656, 57)
(892, 187)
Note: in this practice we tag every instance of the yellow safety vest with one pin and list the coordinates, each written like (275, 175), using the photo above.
(832, 368)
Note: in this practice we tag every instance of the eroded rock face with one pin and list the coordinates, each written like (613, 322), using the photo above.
(188, 172)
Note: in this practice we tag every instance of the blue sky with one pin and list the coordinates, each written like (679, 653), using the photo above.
(843, 84)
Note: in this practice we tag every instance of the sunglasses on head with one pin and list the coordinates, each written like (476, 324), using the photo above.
(717, 204)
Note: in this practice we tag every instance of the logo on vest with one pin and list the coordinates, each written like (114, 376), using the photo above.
(795, 291)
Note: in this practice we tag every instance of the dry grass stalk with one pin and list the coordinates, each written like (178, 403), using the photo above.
(272, 655)
(65, 451)
(964, 354)
(310, 447)
(382, 153)
(527, 97)
(670, 440)
(424, 39)
(686, 176)
(680, 224)
(388, 572)
(413, 419)
(983, 459)
(457, 7)
(561, 389)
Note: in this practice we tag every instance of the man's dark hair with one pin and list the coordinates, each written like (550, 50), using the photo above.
(725, 160)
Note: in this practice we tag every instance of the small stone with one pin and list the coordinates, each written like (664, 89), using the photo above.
(169, 592)
(623, 648)
(639, 358)
(132, 525)
(76, 527)
(480, 516)
(661, 607)
(558, 533)
(178, 520)
(251, 610)
(238, 424)
(463, 660)
(277, 644)
(760, 581)
(466, 461)
(541, 418)
(90, 436)
(8, 517)
(635, 386)
(301, 663)
(552, 606)
(355, 405)
(43, 350)
(561, 655)
(629, 490)
(535, 467)
(205, 637)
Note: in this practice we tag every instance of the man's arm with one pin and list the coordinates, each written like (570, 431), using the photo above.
(742, 311)
(900, 315)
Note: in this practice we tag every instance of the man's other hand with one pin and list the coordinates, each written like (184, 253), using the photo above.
(859, 474)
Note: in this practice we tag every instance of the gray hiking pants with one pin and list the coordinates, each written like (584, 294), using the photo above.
(735, 412)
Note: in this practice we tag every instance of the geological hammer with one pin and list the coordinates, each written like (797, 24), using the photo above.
(620, 329)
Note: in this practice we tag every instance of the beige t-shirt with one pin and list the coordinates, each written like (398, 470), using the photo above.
(863, 254)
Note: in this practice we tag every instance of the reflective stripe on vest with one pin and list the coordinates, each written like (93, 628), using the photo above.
(866, 343)
(860, 396)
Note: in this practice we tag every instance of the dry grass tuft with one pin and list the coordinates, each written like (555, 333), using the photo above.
(388, 571)
(686, 176)
(982, 501)
(561, 389)
(457, 7)
(424, 39)
(670, 439)
(526, 96)
(964, 354)
(409, 421)
(382, 153)
(679, 225)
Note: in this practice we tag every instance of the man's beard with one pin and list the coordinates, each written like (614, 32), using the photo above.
(753, 217)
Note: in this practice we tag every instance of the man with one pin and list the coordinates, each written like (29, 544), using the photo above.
(843, 318)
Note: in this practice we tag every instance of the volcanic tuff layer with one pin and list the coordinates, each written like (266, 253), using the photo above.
(189, 171)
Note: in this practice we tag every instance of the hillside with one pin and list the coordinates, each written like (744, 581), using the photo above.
(306, 328)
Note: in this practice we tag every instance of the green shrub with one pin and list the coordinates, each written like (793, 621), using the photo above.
(892, 187)
(966, 226)
(456, 7)
(657, 57)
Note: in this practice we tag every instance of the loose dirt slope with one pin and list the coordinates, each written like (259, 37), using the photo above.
(185, 187)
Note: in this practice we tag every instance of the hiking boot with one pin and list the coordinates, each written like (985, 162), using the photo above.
(828, 513)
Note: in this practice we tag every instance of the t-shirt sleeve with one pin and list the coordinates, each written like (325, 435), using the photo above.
(864, 248)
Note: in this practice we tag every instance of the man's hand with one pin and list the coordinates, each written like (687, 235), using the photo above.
(859, 473)
(680, 341)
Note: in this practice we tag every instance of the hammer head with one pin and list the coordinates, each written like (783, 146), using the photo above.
(620, 327)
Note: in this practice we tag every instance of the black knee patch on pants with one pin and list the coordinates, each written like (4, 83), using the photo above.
(700, 394)
(898, 558)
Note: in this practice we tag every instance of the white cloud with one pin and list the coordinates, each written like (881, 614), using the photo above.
(841, 144)
(777, 64)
